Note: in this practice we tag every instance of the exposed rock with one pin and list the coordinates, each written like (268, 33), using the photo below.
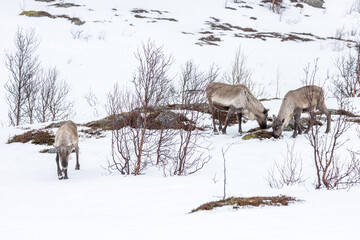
(315, 3)
(169, 119)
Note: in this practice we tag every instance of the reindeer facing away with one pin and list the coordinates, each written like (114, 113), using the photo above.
(304, 99)
(234, 99)
(66, 139)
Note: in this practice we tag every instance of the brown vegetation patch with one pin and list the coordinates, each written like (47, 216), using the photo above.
(209, 40)
(139, 13)
(36, 137)
(159, 12)
(139, 16)
(231, 8)
(65, 5)
(261, 134)
(74, 20)
(89, 133)
(292, 37)
(36, 14)
(167, 19)
(265, 35)
(238, 202)
(206, 32)
(138, 10)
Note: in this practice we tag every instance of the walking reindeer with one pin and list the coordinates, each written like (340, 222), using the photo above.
(235, 99)
(304, 99)
(66, 139)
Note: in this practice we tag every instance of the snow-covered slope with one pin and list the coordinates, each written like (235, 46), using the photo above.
(94, 204)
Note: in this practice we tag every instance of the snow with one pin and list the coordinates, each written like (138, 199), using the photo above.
(94, 204)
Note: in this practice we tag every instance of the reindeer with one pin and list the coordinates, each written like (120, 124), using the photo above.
(304, 99)
(66, 139)
(234, 99)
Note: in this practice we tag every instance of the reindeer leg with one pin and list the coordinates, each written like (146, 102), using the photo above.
(77, 167)
(212, 109)
(297, 123)
(65, 173)
(240, 119)
(323, 109)
(311, 122)
(219, 118)
(60, 176)
(228, 117)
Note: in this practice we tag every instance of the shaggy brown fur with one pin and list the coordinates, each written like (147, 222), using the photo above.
(234, 99)
(66, 139)
(304, 99)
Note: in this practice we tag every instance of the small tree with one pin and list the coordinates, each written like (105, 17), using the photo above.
(347, 81)
(151, 84)
(52, 102)
(332, 172)
(23, 65)
(287, 173)
(124, 134)
(241, 74)
(191, 150)
(193, 82)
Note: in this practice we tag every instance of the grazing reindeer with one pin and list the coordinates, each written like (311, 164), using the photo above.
(304, 99)
(234, 99)
(66, 139)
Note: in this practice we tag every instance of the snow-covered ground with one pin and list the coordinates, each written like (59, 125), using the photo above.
(94, 204)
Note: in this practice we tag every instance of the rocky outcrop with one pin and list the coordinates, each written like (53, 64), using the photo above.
(315, 3)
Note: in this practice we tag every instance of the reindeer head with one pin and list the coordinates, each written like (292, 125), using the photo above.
(277, 126)
(63, 153)
(262, 118)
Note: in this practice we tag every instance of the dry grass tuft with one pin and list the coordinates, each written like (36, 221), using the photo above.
(40, 137)
(238, 202)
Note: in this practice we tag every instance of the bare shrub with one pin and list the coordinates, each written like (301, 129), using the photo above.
(52, 101)
(287, 173)
(241, 74)
(151, 84)
(23, 65)
(124, 138)
(333, 172)
(192, 147)
(193, 82)
(136, 142)
(191, 154)
(136, 145)
(93, 101)
(355, 7)
(347, 81)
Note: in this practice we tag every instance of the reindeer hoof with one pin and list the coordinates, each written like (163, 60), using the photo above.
(60, 177)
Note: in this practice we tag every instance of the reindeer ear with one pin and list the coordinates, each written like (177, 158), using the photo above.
(266, 111)
(274, 118)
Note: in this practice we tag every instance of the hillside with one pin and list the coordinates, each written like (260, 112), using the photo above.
(98, 50)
